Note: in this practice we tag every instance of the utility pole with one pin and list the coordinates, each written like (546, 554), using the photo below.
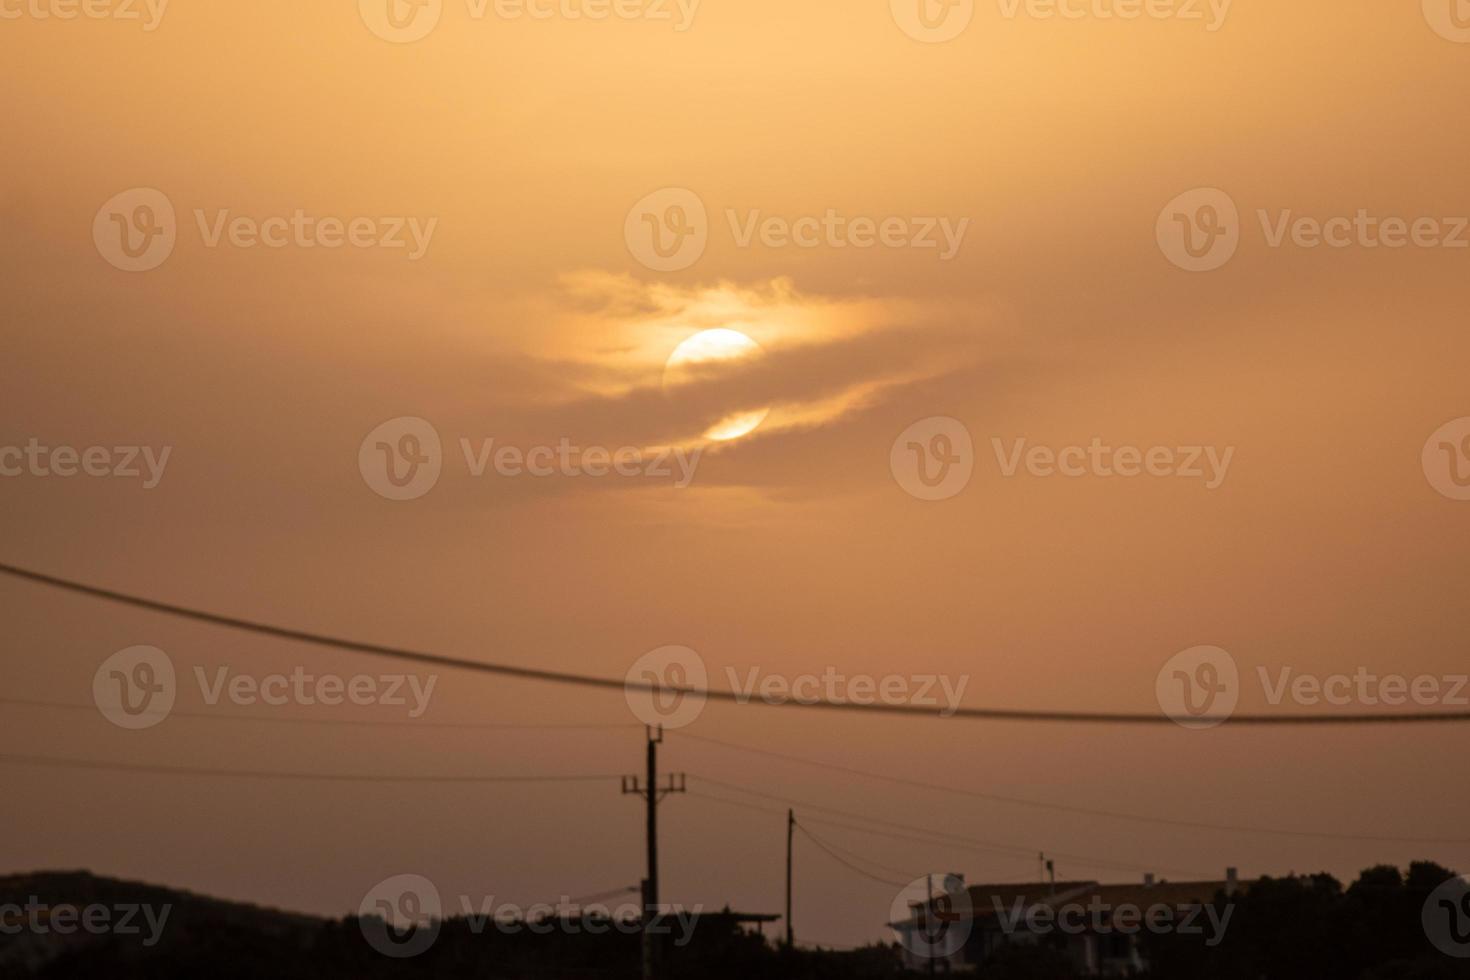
(929, 911)
(790, 832)
(652, 794)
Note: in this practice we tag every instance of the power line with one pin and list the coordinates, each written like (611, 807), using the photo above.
(848, 864)
(1028, 857)
(1064, 807)
(1016, 853)
(380, 723)
(748, 806)
(1004, 850)
(911, 875)
(940, 838)
(606, 683)
(62, 762)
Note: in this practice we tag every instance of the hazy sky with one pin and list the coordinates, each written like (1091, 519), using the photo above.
(530, 318)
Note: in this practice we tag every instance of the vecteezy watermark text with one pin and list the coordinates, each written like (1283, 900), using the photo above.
(1201, 230)
(937, 21)
(1201, 687)
(122, 919)
(137, 230)
(302, 230)
(403, 458)
(669, 229)
(400, 917)
(568, 459)
(118, 462)
(934, 458)
(938, 691)
(137, 688)
(149, 13)
(1207, 463)
(406, 21)
(1210, 13)
(667, 687)
(1100, 917)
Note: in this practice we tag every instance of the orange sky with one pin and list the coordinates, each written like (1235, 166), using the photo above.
(794, 549)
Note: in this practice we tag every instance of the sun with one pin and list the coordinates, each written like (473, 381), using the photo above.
(713, 347)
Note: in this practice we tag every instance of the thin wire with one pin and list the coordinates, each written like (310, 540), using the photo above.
(848, 864)
(1063, 807)
(748, 806)
(911, 875)
(609, 683)
(1029, 857)
(1008, 849)
(865, 830)
(944, 839)
(1017, 853)
(62, 762)
(213, 716)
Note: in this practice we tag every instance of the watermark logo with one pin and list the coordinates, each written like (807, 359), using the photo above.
(1446, 917)
(667, 231)
(1449, 18)
(1199, 231)
(401, 21)
(937, 919)
(933, 21)
(1446, 459)
(1199, 687)
(400, 916)
(401, 459)
(135, 688)
(665, 687)
(136, 230)
(933, 459)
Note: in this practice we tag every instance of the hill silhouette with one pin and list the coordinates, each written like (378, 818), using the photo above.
(1297, 927)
